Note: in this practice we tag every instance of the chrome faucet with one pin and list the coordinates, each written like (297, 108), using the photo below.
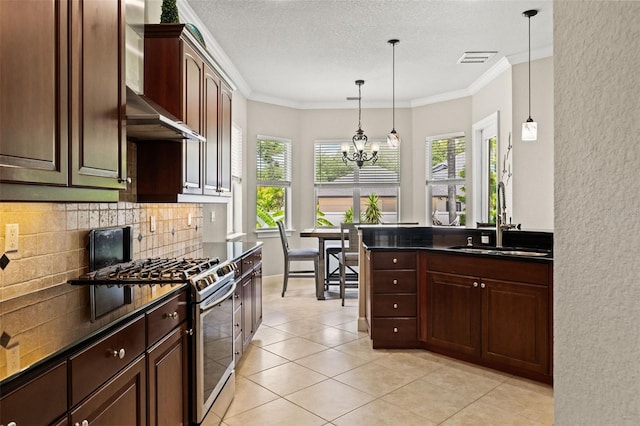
(501, 216)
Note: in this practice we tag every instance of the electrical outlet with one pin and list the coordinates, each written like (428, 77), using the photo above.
(189, 220)
(152, 224)
(13, 358)
(213, 216)
(12, 232)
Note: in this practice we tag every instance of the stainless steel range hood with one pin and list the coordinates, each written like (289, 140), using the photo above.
(146, 120)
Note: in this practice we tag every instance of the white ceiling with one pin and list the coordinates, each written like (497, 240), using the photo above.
(308, 53)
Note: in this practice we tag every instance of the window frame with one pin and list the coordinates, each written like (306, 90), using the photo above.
(480, 161)
(284, 183)
(430, 182)
(357, 186)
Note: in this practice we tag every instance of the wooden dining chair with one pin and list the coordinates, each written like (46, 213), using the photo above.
(348, 257)
(297, 255)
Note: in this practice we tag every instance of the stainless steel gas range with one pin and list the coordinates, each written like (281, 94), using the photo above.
(212, 352)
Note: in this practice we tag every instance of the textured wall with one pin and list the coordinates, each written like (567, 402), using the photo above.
(597, 231)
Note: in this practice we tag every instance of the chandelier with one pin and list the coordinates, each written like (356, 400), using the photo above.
(359, 140)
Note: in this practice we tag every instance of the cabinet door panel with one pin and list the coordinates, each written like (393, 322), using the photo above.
(33, 82)
(211, 129)
(516, 330)
(453, 318)
(122, 401)
(247, 310)
(97, 93)
(168, 378)
(225, 142)
(193, 73)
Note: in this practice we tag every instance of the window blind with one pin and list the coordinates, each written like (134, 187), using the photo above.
(447, 159)
(331, 170)
(273, 161)
(236, 152)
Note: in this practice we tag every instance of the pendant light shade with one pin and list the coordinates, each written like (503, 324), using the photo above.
(529, 127)
(393, 138)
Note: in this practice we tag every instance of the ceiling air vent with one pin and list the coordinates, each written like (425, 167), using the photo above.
(476, 57)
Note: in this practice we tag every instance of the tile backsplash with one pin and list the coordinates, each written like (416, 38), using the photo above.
(40, 313)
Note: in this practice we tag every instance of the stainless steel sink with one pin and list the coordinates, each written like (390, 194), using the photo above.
(502, 251)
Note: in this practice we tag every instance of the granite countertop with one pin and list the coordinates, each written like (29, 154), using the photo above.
(229, 251)
(523, 245)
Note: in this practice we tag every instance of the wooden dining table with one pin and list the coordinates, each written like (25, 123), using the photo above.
(322, 234)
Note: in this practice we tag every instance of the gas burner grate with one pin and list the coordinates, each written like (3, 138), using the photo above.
(149, 272)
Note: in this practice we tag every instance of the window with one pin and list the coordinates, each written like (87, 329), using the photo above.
(343, 192)
(485, 160)
(234, 208)
(273, 181)
(446, 179)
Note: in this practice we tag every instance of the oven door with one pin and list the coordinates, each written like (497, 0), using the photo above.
(214, 354)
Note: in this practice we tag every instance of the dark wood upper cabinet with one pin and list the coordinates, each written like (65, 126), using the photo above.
(63, 99)
(34, 134)
(180, 78)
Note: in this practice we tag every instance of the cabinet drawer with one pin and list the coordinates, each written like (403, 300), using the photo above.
(401, 281)
(164, 318)
(97, 363)
(394, 260)
(39, 402)
(394, 329)
(394, 305)
(250, 261)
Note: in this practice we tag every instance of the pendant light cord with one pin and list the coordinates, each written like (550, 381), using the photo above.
(529, 67)
(393, 85)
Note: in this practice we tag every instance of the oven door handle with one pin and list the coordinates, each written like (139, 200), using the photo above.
(220, 299)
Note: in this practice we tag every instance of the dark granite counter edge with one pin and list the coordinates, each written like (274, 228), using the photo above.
(14, 381)
(450, 250)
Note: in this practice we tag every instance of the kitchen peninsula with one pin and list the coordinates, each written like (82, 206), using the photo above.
(453, 292)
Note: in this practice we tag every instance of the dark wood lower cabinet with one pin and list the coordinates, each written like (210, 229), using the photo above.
(453, 313)
(121, 401)
(496, 312)
(248, 315)
(167, 376)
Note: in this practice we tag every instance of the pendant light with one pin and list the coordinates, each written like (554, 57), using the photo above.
(529, 127)
(359, 140)
(393, 138)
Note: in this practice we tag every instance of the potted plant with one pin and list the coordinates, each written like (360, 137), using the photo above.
(169, 12)
(373, 214)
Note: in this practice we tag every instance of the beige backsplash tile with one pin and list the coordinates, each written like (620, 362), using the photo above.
(38, 309)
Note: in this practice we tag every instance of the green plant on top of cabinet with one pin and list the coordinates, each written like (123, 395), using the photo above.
(180, 78)
(63, 99)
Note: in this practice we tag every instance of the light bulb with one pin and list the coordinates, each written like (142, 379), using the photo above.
(375, 146)
(345, 148)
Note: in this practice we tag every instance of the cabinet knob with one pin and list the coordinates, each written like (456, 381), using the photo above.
(482, 285)
(189, 332)
(395, 260)
(12, 424)
(395, 282)
(395, 306)
(475, 284)
(237, 325)
(237, 353)
(119, 354)
(173, 315)
(127, 180)
(395, 329)
(237, 296)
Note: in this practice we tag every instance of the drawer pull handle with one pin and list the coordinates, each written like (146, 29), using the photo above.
(189, 332)
(482, 285)
(395, 329)
(395, 282)
(395, 260)
(237, 296)
(119, 354)
(475, 284)
(173, 315)
(84, 423)
(395, 306)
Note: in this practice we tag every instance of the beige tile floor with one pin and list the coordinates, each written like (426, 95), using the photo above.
(308, 365)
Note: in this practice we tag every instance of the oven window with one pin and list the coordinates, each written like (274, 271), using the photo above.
(217, 343)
